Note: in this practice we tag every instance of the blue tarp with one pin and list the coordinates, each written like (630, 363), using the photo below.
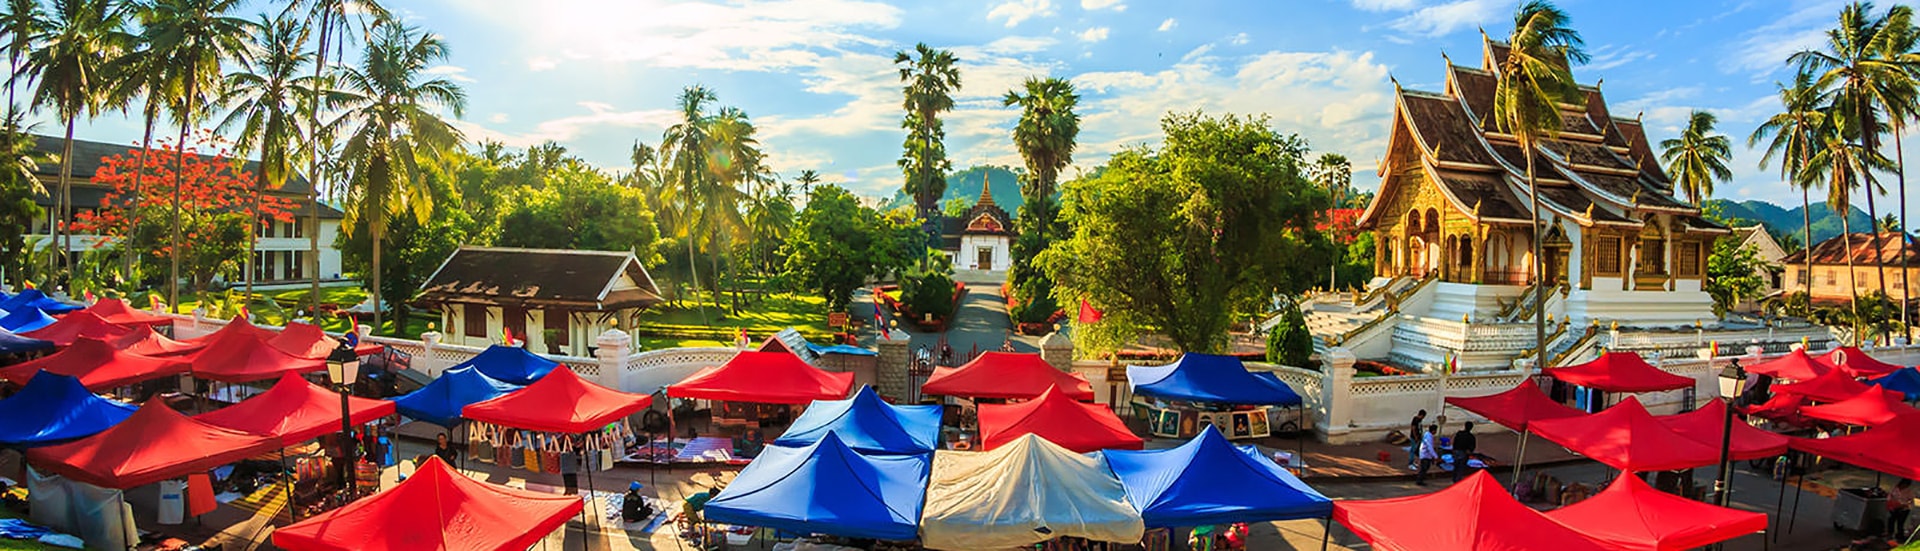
(24, 319)
(440, 401)
(54, 408)
(37, 299)
(510, 364)
(1905, 381)
(15, 344)
(1208, 480)
(868, 424)
(828, 488)
(1210, 378)
(847, 349)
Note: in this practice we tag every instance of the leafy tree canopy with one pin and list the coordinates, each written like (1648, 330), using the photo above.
(838, 244)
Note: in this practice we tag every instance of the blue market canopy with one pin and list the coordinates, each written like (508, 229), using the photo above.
(24, 319)
(55, 408)
(1211, 481)
(37, 299)
(440, 401)
(15, 344)
(1210, 378)
(1905, 381)
(868, 424)
(511, 364)
(827, 488)
(847, 349)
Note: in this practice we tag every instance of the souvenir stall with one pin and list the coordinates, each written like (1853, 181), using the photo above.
(1180, 399)
(15, 348)
(561, 414)
(828, 488)
(750, 397)
(436, 508)
(295, 412)
(1592, 383)
(1188, 487)
(55, 408)
(440, 403)
(1479, 515)
(1022, 494)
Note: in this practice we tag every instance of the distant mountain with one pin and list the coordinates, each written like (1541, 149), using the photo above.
(1787, 222)
(965, 185)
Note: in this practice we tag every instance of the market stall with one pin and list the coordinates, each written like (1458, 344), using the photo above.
(1629, 514)
(16, 346)
(151, 343)
(558, 415)
(154, 443)
(1475, 514)
(1024, 493)
(304, 340)
(293, 412)
(1856, 362)
(752, 395)
(25, 319)
(1516, 409)
(1208, 481)
(1199, 390)
(1905, 381)
(1870, 407)
(1614, 373)
(33, 298)
(1795, 365)
(77, 325)
(1831, 386)
(1707, 425)
(509, 364)
(55, 408)
(440, 401)
(1628, 438)
(241, 358)
(116, 311)
(237, 327)
(436, 508)
(1003, 376)
(828, 488)
(1057, 417)
(867, 424)
(98, 364)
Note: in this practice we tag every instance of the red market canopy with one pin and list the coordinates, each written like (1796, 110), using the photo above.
(1856, 362)
(239, 326)
(1628, 438)
(1005, 375)
(1832, 386)
(116, 311)
(435, 509)
(77, 325)
(1475, 514)
(154, 444)
(98, 364)
(294, 411)
(1703, 425)
(1794, 366)
(1780, 407)
(241, 358)
(304, 340)
(1620, 372)
(1515, 408)
(1868, 408)
(763, 377)
(152, 343)
(1630, 515)
(1057, 417)
(560, 402)
(1886, 448)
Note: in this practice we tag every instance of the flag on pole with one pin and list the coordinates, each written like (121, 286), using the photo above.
(1453, 364)
(1089, 314)
(28, 284)
(153, 302)
(89, 296)
(244, 314)
(1713, 350)
(880, 321)
(506, 336)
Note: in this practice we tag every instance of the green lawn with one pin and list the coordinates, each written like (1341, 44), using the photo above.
(668, 326)
(275, 307)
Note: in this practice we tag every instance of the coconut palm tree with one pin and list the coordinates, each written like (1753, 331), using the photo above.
(931, 79)
(1795, 135)
(264, 96)
(685, 144)
(807, 179)
(1045, 136)
(70, 66)
(1697, 158)
(390, 119)
(23, 20)
(19, 182)
(1844, 164)
(328, 19)
(735, 158)
(1334, 172)
(1534, 80)
(194, 38)
(1899, 43)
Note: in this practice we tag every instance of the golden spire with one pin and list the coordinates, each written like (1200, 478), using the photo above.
(1589, 211)
(986, 189)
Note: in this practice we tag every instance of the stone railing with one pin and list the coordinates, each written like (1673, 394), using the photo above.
(653, 370)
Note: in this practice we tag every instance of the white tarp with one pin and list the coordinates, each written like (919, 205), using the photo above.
(1026, 492)
(98, 516)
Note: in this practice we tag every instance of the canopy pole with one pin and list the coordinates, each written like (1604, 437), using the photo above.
(587, 464)
(1797, 490)
(1520, 460)
(1780, 502)
(1326, 534)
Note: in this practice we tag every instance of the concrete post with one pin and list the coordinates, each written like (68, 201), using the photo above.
(425, 362)
(612, 348)
(1336, 393)
(890, 369)
(1057, 350)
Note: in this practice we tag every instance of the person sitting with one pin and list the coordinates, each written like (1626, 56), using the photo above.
(633, 506)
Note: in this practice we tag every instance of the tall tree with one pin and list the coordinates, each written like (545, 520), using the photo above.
(1534, 80)
(1334, 172)
(194, 38)
(1899, 43)
(685, 143)
(264, 96)
(70, 66)
(1046, 136)
(1845, 165)
(1795, 132)
(330, 19)
(391, 120)
(23, 21)
(807, 179)
(931, 79)
(19, 183)
(1697, 158)
(735, 159)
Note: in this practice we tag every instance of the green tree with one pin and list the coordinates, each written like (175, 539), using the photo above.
(1844, 165)
(1334, 172)
(1046, 137)
(70, 65)
(329, 20)
(391, 116)
(838, 244)
(1186, 238)
(1290, 343)
(1697, 158)
(931, 79)
(1795, 132)
(1535, 79)
(1900, 44)
(579, 208)
(193, 38)
(1734, 274)
(20, 24)
(412, 250)
(19, 162)
(929, 292)
(685, 145)
(263, 93)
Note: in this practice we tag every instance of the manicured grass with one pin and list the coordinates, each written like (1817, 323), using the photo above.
(276, 307)
(668, 326)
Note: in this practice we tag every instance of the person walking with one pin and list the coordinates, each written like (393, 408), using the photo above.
(1899, 505)
(1429, 453)
(1464, 444)
(1413, 439)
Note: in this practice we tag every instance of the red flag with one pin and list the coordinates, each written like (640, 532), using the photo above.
(244, 314)
(153, 302)
(89, 297)
(880, 322)
(28, 284)
(506, 334)
(1089, 314)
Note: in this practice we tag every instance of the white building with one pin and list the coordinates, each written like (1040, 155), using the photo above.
(981, 240)
(557, 301)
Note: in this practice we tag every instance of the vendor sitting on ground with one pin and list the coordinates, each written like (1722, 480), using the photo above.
(633, 506)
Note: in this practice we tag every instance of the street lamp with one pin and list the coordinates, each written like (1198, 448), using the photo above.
(343, 368)
(1723, 486)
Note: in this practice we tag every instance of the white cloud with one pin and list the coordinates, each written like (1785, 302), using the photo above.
(450, 72)
(1444, 19)
(1385, 5)
(563, 129)
(758, 36)
(1168, 24)
(498, 118)
(1095, 34)
(1114, 5)
(1611, 56)
(1016, 45)
(1238, 39)
(1017, 11)
(1764, 50)
(542, 63)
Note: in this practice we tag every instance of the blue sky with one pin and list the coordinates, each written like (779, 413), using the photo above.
(818, 77)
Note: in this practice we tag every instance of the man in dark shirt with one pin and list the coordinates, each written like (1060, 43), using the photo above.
(1413, 439)
(1464, 444)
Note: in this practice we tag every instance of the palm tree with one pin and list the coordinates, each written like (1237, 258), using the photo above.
(685, 143)
(1899, 43)
(71, 68)
(19, 182)
(1845, 165)
(807, 179)
(735, 158)
(931, 80)
(1534, 80)
(1796, 136)
(329, 18)
(1697, 158)
(390, 115)
(1046, 137)
(1865, 86)
(194, 38)
(264, 95)
(143, 73)
(22, 22)
(1334, 172)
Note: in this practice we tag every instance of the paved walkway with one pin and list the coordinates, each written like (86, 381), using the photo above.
(980, 323)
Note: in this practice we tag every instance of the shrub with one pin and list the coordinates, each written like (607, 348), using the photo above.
(1290, 344)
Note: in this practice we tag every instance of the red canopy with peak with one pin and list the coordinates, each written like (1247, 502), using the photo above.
(295, 411)
(304, 340)
(152, 343)
(1057, 417)
(77, 325)
(1628, 438)
(116, 311)
(1703, 425)
(154, 444)
(1856, 362)
(1781, 407)
(1887, 448)
(1620, 372)
(98, 364)
(1832, 386)
(1870, 407)
(560, 402)
(1005, 375)
(241, 357)
(1515, 408)
(763, 377)
(239, 326)
(435, 509)
(1630, 515)
(1475, 514)
(1794, 366)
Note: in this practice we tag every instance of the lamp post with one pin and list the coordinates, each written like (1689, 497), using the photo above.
(343, 368)
(1723, 485)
